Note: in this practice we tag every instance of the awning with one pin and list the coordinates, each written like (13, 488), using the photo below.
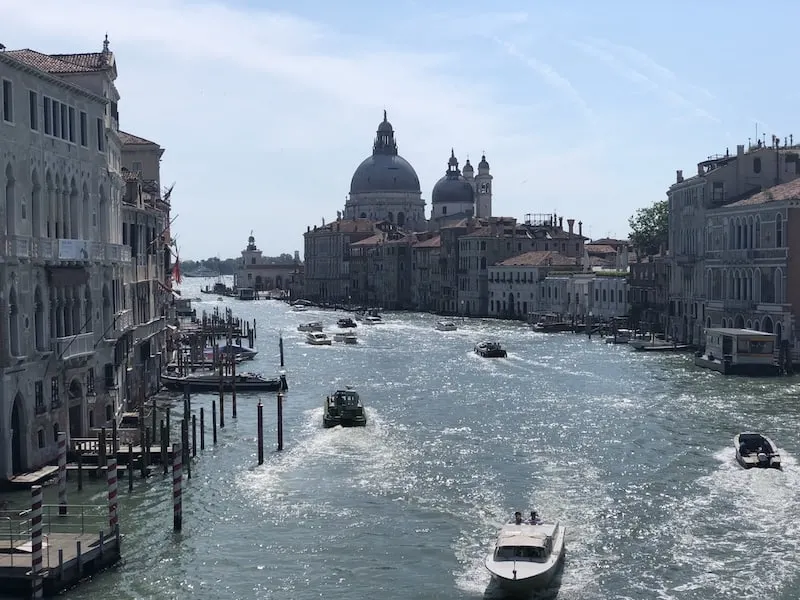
(67, 276)
(175, 293)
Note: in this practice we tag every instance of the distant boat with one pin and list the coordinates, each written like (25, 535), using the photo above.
(317, 338)
(756, 450)
(446, 326)
(312, 326)
(490, 350)
(347, 337)
(344, 408)
(208, 381)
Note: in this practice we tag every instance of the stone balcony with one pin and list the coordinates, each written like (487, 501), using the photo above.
(73, 345)
(146, 270)
(54, 250)
(144, 331)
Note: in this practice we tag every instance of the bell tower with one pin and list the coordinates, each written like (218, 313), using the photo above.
(483, 190)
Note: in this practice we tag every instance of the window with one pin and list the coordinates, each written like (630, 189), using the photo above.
(38, 387)
(84, 131)
(64, 123)
(137, 167)
(40, 438)
(56, 117)
(33, 109)
(48, 117)
(100, 135)
(55, 432)
(8, 101)
(757, 165)
(71, 124)
(55, 400)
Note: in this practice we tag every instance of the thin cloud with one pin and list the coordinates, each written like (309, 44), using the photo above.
(553, 78)
(650, 82)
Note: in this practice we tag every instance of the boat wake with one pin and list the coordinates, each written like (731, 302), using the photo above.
(740, 534)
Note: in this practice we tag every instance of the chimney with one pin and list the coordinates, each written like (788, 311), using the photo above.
(700, 169)
(580, 228)
(570, 224)
(561, 223)
(308, 228)
(679, 177)
(740, 150)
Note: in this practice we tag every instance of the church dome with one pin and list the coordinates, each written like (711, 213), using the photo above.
(385, 170)
(452, 188)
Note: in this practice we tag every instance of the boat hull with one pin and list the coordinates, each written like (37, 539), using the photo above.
(210, 385)
(750, 460)
(328, 421)
(492, 354)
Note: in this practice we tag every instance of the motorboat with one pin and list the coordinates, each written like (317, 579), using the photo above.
(209, 381)
(346, 322)
(490, 350)
(299, 308)
(620, 336)
(239, 353)
(756, 450)
(313, 326)
(346, 337)
(446, 326)
(344, 407)
(372, 320)
(317, 338)
(527, 555)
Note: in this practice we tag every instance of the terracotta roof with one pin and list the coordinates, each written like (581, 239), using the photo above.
(600, 249)
(373, 240)
(785, 191)
(434, 242)
(609, 242)
(345, 226)
(538, 258)
(94, 61)
(56, 63)
(128, 138)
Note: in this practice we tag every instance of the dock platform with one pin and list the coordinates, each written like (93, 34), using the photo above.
(37, 477)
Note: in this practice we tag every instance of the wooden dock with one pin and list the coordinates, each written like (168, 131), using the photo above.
(37, 477)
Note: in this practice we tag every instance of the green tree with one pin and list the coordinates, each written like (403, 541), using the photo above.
(650, 228)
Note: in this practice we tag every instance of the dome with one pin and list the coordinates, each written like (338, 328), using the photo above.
(452, 188)
(385, 170)
(483, 164)
(468, 167)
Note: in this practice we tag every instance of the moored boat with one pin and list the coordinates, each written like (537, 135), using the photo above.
(527, 555)
(756, 450)
(490, 350)
(317, 338)
(208, 381)
(446, 326)
(344, 407)
(346, 322)
(346, 337)
(313, 326)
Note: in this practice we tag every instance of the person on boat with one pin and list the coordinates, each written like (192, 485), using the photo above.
(535, 518)
(517, 518)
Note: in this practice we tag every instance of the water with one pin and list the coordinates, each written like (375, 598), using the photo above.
(632, 451)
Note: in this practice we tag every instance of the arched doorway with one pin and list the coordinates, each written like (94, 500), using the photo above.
(767, 324)
(739, 322)
(511, 306)
(75, 403)
(17, 436)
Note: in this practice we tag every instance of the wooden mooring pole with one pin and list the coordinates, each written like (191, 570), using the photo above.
(62, 473)
(221, 395)
(202, 430)
(280, 421)
(194, 436)
(177, 487)
(260, 433)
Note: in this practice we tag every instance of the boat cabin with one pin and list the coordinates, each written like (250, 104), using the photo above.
(743, 351)
(247, 294)
(525, 543)
(345, 399)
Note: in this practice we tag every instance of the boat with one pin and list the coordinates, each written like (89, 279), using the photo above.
(347, 337)
(526, 556)
(312, 326)
(344, 407)
(208, 381)
(299, 308)
(756, 450)
(551, 323)
(490, 350)
(446, 326)
(621, 336)
(317, 338)
(372, 320)
(346, 322)
(240, 353)
(739, 352)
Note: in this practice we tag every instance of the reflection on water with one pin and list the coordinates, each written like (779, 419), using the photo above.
(631, 451)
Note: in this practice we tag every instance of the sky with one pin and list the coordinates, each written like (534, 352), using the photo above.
(583, 108)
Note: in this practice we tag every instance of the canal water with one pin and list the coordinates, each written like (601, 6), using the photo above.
(631, 451)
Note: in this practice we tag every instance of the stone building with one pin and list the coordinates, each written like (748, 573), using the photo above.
(426, 273)
(258, 272)
(65, 262)
(720, 180)
(648, 286)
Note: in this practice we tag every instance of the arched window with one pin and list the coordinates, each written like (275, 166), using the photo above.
(38, 319)
(13, 323)
(778, 231)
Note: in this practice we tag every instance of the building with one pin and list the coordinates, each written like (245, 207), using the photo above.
(263, 273)
(65, 260)
(751, 276)
(720, 180)
(648, 286)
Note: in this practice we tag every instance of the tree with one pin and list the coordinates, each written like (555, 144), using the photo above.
(650, 228)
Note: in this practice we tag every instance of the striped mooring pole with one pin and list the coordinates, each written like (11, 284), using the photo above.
(177, 486)
(111, 479)
(62, 473)
(36, 541)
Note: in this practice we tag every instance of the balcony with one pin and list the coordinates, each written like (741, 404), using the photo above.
(73, 345)
(144, 331)
(16, 246)
(58, 249)
(123, 321)
(146, 269)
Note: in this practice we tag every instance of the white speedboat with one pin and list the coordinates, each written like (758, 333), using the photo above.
(756, 450)
(372, 320)
(446, 326)
(526, 556)
(299, 308)
(317, 338)
(313, 326)
(346, 338)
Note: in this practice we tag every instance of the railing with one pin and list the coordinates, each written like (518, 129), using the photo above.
(123, 321)
(17, 246)
(15, 529)
(56, 249)
(73, 345)
(146, 330)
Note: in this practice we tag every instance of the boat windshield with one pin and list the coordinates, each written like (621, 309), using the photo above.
(520, 553)
(346, 398)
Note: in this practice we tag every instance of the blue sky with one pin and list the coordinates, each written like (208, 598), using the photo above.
(585, 108)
